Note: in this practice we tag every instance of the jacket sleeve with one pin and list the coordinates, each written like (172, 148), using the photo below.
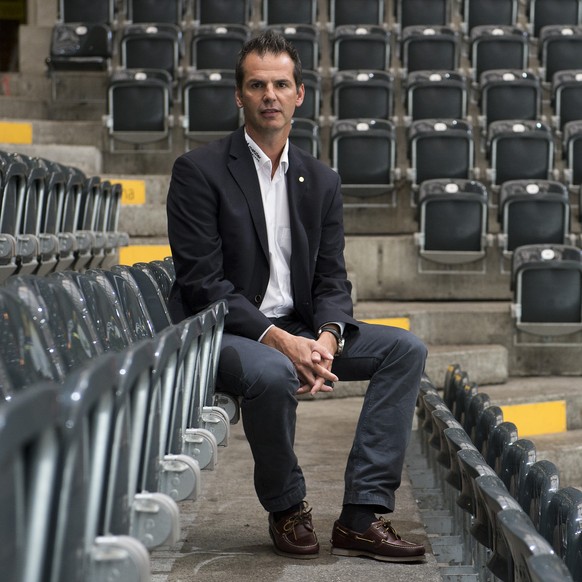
(196, 242)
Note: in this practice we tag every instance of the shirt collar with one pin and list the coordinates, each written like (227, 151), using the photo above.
(261, 158)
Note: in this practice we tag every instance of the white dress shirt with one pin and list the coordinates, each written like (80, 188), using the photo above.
(278, 299)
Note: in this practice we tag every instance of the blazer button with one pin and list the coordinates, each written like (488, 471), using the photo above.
(258, 299)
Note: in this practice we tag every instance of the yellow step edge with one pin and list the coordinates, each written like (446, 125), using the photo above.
(537, 418)
(14, 132)
(143, 253)
(403, 322)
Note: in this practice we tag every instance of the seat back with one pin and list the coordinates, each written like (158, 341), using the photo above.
(549, 12)
(541, 482)
(436, 94)
(305, 39)
(29, 427)
(422, 12)
(363, 94)
(487, 12)
(361, 47)
(342, 12)
(216, 46)
(560, 49)
(498, 47)
(101, 11)
(547, 285)
(222, 11)
(156, 11)
(427, 48)
(520, 149)
(533, 212)
(305, 135)
(282, 12)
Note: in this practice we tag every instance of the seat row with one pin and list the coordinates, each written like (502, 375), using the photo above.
(107, 416)
(515, 520)
(54, 217)
(471, 13)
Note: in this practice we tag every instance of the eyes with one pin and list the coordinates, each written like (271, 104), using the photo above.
(282, 84)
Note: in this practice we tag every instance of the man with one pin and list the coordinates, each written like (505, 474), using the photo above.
(258, 222)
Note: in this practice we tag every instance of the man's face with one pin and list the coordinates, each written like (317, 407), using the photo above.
(268, 94)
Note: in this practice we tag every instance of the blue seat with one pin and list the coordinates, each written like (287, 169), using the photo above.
(541, 482)
(29, 427)
(500, 439)
(515, 465)
(494, 497)
(563, 528)
(522, 540)
(547, 287)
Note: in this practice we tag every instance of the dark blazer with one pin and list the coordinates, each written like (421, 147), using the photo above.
(218, 236)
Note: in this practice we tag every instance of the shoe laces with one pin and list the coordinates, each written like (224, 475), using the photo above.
(301, 517)
(387, 525)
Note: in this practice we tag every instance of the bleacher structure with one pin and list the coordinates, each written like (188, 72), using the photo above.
(456, 126)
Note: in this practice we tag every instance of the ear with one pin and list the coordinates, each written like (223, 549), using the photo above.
(237, 99)
(300, 95)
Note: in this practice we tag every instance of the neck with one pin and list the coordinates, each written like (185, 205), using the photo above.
(272, 145)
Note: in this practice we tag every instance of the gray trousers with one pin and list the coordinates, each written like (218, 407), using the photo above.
(392, 360)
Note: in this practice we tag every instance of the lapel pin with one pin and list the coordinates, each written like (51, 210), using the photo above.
(301, 179)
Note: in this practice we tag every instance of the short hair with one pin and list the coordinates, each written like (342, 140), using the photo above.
(271, 42)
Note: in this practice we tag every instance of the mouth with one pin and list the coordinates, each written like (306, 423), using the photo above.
(270, 112)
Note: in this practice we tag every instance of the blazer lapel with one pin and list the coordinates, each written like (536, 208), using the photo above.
(242, 168)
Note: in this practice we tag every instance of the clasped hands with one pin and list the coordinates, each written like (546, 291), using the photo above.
(312, 358)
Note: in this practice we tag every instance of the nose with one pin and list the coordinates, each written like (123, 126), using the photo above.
(269, 94)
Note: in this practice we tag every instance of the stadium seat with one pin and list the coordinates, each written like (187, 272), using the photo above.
(311, 106)
(363, 93)
(478, 403)
(454, 376)
(494, 497)
(509, 94)
(456, 440)
(488, 12)
(541, 482)
(486, 423)
(305, 39)
(114, 238)
(156, 11)
(547, 289)
(440, 148)
(162, 275)
(152, 46)
(283, 12)
(305, 134)
(222, 11)
(497, 47)
(361, 47)
(566, 97)
(563, 528)
(571, 148)
(549, 12)
(560, 49)
(138, 110)
(435, 95)
(442, 419)
(78, 48)
(342, 12)
(423, 13)
(516, 462)
(547, 568)
(522, 540)
(216, 46)
(519, 150)
(29, 457)
(426, 48)
(364, 155)
(501, 437)
(12, 184)
(204, 93)
(533, 212)
(100, 11)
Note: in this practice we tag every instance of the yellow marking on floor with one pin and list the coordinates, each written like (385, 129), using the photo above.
(143, 253)
(133, 192)
(537, 418)
(15, 132)
(403, 322)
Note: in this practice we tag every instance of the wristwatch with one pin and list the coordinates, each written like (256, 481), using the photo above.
(336, 334)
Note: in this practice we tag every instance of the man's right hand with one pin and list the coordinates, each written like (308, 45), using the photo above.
(312, 358)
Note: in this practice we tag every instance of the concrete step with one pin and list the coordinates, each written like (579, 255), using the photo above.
(565, 451)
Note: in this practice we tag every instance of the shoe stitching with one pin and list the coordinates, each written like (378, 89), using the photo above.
(302, 517)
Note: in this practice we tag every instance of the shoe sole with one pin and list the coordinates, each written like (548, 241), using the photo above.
(289, 554)
(359, 553)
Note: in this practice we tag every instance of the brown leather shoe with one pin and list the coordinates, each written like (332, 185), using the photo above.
(293, 535)
(380, 541)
